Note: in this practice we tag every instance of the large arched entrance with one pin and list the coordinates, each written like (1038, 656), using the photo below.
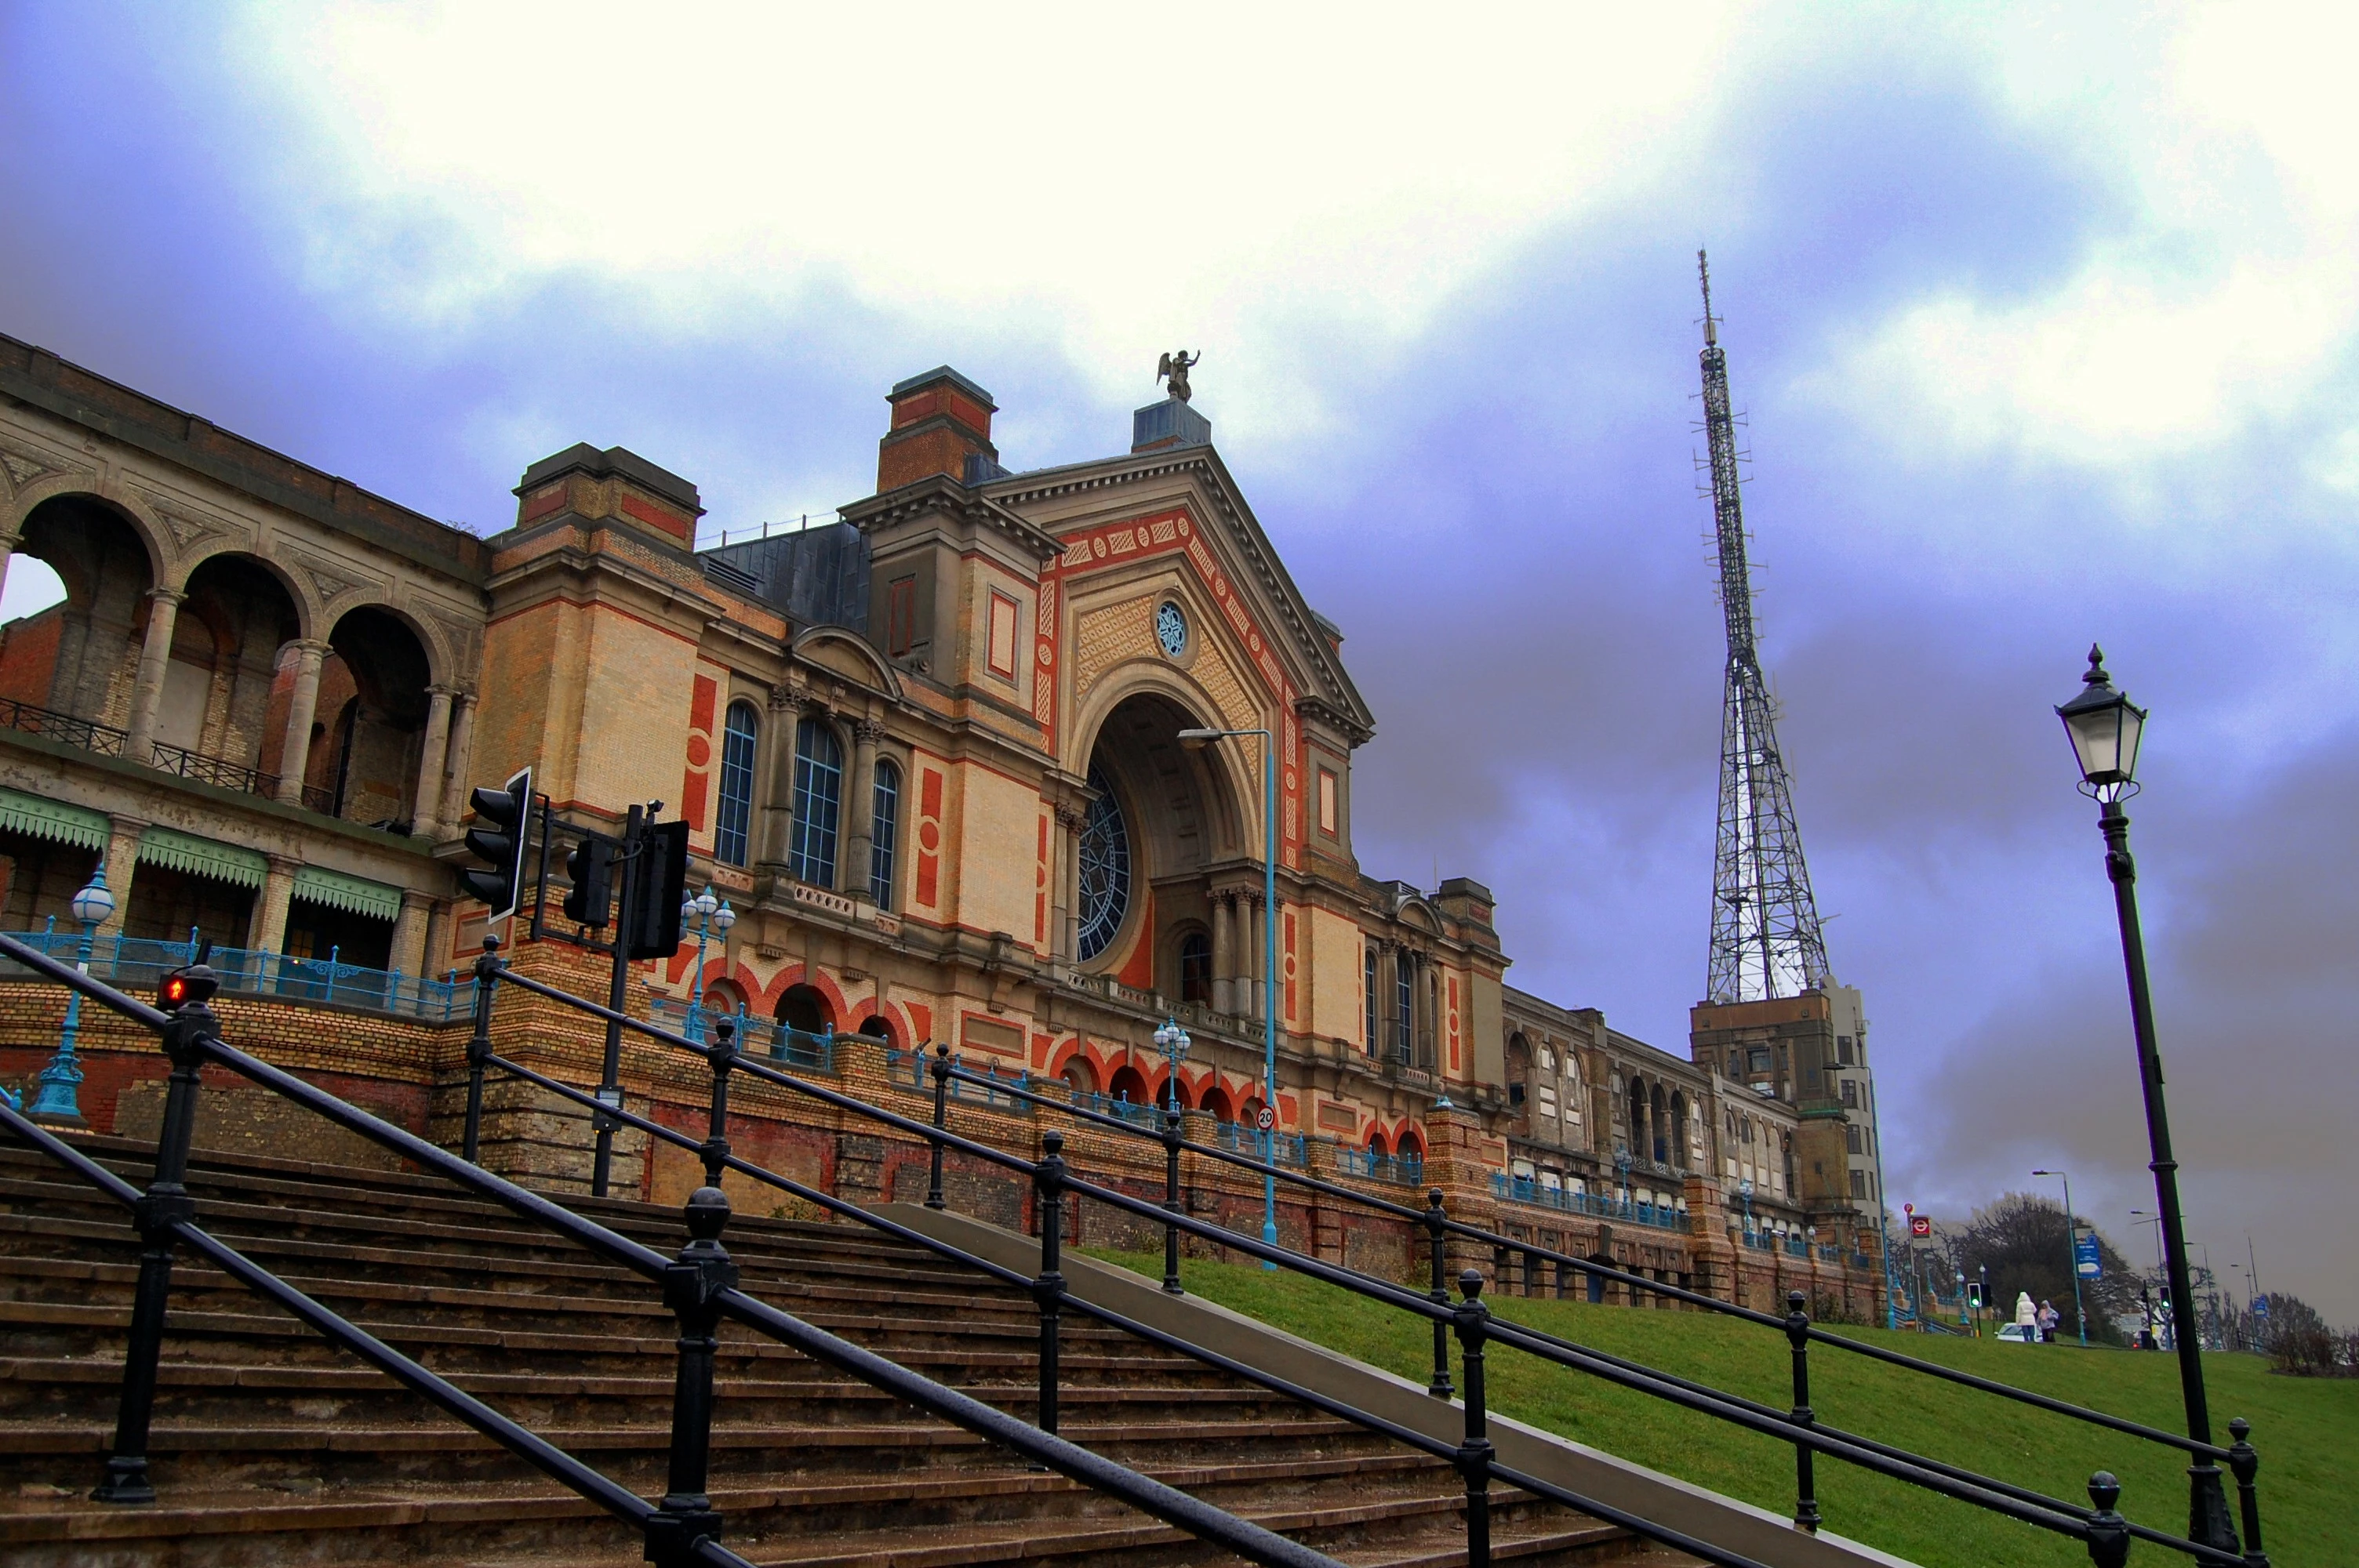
(1160, 831)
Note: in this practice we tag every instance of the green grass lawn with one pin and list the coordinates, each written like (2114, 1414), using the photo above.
(2307, 1430)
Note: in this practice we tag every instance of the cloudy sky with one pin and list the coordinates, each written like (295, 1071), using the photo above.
(2048, 332)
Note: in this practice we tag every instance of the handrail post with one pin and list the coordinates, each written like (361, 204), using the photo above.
(1049, 1289)
(165, 1206)
(2245, 1461)
(1437, 1232)
(722, 1054)
(1474, 1459)
(479, 1046)
(2109, 1533)
(942, 1065)
(1172, 1199)
(692, 1286)
(1798, 1332)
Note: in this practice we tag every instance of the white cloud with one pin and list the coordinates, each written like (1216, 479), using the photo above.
(1114, 182)
(2219, 301)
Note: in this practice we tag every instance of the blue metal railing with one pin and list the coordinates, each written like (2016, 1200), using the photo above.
(1291, 1148)
(1408, 1170)
(756, 1036)
(1526, 1189)
(138, 963)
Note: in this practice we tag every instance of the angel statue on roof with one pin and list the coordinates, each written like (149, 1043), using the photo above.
(1176, 367)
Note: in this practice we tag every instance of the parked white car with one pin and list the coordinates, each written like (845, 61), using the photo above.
(2018, 1333)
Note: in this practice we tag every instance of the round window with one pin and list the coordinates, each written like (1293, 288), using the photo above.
(1171, 629)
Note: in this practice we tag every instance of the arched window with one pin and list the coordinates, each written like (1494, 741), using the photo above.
(877, 1026)
(736, 784)
(1368, 971)
(1105, 869)
(884, 832)
(805, 1008)
(818, 795)
(1195, 967)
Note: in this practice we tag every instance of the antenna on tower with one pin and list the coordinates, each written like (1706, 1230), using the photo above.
(1766, 939)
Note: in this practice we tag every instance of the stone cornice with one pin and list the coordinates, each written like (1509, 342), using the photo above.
(939, 493)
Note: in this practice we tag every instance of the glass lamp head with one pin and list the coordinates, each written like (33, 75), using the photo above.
(94, 904)
(704, 903)
(724, 917)
(2105, 727)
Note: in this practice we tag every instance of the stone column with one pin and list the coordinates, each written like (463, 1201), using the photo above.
(860, 811)
(295, 756)
(268, 926)
(1223, 954)
(463, 741)
(409, 931)
(1066, 905)
(776, 782)
(426, 801)
(436, 957)
(148, 691)
(8, 546)
(122, 865)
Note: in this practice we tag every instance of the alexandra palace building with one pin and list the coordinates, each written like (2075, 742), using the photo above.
(930, 754)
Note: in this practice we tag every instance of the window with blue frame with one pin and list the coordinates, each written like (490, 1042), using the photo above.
(885, 829)
(819, 803)
(737, 737)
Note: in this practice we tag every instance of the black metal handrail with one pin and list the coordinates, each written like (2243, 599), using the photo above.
(29, 718)
(2102, 1529)
(699, 1284)
(1499, 1243)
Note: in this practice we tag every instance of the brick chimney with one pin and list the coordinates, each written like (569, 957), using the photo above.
(941, 425)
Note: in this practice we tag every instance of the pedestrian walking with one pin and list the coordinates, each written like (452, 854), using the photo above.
(2049, 1318)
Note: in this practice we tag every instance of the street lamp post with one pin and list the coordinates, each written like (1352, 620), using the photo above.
(711, 916)
(1173, 1041)
(57, 1102)
(1199, 738)
(2071, 1252)
(2105, 727)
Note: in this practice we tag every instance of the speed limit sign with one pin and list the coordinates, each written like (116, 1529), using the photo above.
(1265, 1118)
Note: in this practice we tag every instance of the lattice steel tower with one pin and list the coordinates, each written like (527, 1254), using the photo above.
(1765, 940)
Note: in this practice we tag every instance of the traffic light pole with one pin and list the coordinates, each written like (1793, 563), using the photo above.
(610, 1090)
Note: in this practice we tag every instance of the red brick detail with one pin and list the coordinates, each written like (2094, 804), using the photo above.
(541, 502)
(658, 518)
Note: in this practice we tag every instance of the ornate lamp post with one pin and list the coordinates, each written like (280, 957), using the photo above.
(1194, 739)
(1173, 1041)
(2105, 727)
(56, 1102)
(711, 917)
(2071, 1252)
(1745, 1195)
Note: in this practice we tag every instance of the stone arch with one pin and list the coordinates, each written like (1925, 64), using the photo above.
(1216, 1101)
(806, 1007)
(1229, 769)
(1126, 1082)
(1378, 1144)
(81, 656)
(880, 1026)
(1682, 1146)
(311, 614)
(154, 539)
(371, 712)
(1659, 1135)
(850, 656)
(1409, 1141)
(1180, 819)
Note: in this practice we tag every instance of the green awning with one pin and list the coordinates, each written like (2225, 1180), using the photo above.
(357, 894)
(55, 820)
(202, 857)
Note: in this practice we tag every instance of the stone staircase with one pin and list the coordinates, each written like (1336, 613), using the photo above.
(270, 1445)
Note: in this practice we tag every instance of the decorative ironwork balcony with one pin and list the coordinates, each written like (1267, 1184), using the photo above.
(1404, 1170)
(106, 741)
(756, 1036)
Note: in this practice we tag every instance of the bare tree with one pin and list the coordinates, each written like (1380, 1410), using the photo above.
(2023, 1243)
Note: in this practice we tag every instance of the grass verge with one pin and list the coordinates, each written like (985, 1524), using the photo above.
(2305, 1428)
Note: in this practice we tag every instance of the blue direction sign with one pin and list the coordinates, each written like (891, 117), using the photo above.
(2085, 1254)
(2261, 1308)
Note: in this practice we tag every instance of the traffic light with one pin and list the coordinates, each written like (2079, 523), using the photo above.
(497, 839)
(589, 866)
(657, 888)
(1974, 1295)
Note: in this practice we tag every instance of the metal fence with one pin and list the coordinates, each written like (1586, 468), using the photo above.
(138, 963)
(1408, 1170)
(1525, 1189)
(756, 1036)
